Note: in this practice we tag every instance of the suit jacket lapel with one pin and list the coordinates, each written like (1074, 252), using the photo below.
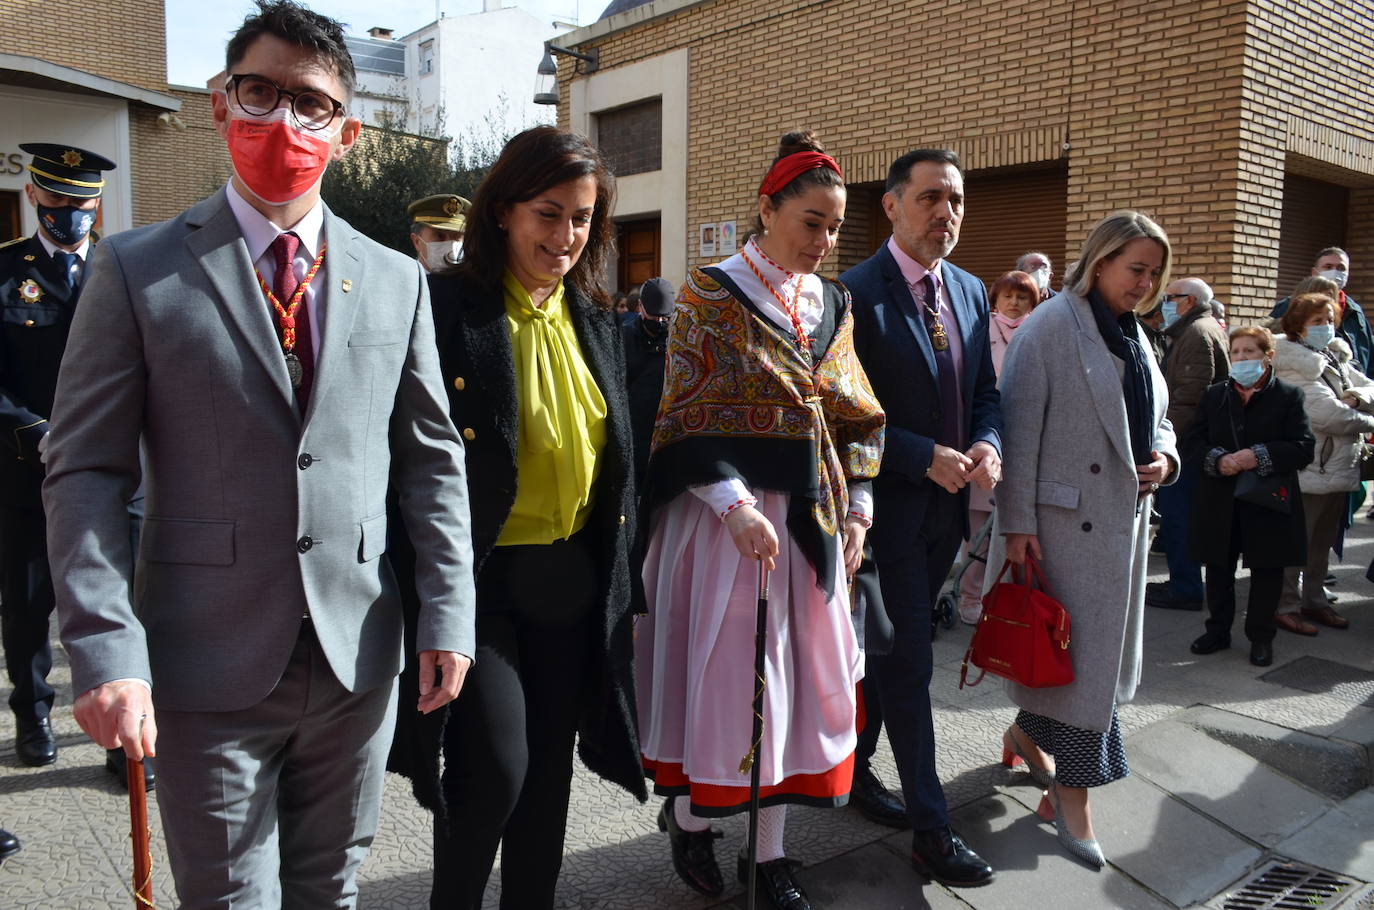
(1102, 380)
(900, 294)
(336, 306)
(217, 246)
(967, 318)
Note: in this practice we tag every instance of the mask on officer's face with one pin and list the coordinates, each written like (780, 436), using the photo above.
(66, 224)
(442, 254)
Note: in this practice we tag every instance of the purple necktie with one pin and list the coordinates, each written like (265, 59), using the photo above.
(950, 431)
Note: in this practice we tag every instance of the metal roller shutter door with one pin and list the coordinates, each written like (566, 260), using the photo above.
(1314, 217)
(1009, 213)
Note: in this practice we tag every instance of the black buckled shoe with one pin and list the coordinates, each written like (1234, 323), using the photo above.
(34, 743)
(9, 845)
(117, 763)
(1261, 653)
(694, 854)
(775, 883)
(1210, 643)
(876, 802)
(941, 854)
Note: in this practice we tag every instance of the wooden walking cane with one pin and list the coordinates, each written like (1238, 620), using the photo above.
(141, 834)
(750, 761)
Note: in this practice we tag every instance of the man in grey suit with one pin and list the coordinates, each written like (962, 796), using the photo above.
(279, 370)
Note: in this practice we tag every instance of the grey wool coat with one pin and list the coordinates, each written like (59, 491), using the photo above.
(1069, 478)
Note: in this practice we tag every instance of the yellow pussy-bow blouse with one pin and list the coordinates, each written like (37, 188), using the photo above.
(562, 421)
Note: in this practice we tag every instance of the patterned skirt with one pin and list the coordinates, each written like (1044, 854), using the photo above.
(1082, 758)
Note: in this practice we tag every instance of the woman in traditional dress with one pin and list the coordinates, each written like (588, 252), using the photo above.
(766, 434)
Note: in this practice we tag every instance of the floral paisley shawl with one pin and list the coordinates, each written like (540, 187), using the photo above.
(740, 401)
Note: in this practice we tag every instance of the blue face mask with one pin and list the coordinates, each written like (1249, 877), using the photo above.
(1247, 372)
(1319, 336)
(65, 224)
(1169, 309)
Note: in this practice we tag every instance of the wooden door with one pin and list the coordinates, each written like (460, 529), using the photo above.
(638, 242)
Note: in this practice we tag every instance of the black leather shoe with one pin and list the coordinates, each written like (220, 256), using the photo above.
(776, 884)
(9, 845)
(1210, 643)
(1261, 653)
(117, 763)
(694, 854)
(1165, 599)
(34, 744)
(876, 802)
(941, 854)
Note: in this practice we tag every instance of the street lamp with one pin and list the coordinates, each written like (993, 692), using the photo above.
(546, 89)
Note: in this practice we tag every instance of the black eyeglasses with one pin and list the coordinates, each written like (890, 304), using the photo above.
(259, 95)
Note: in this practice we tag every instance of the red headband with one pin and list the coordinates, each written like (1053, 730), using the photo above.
(787, 169)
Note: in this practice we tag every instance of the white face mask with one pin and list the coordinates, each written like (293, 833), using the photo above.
(442, 254)
(1335, 275)
(1042, 278)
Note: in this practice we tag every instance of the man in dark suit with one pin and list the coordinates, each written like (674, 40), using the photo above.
(40, 281)
(921, 332)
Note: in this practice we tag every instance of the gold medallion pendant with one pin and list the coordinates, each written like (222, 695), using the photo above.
(938, 337)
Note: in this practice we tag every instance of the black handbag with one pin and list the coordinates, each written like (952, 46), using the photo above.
(1273, 492)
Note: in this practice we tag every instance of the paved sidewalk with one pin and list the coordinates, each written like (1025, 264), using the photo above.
(1233, 766)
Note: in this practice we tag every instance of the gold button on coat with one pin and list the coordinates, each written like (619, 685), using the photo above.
(28, 322)
(469, 434)
(622, 519)
(458, 383)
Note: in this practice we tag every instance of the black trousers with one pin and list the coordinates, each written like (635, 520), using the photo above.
(28, 603)
(1266, 584)
(911, 584)
(508, 745)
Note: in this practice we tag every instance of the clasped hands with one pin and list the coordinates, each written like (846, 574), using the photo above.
(1232, 464)
(953, 470)
(119, 714)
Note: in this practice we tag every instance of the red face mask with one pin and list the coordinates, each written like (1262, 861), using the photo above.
(276, 161)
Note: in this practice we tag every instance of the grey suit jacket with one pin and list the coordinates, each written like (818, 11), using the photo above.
(255, 512)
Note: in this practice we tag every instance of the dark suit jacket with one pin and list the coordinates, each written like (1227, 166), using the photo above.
(894, 347)
(479, 372)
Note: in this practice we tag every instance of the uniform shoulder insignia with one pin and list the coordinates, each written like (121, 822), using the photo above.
(9, 243)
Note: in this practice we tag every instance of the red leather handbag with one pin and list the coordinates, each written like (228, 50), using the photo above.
(1024, 633)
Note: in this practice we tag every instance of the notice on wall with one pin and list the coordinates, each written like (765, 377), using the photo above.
(708, 240)
(725, 237)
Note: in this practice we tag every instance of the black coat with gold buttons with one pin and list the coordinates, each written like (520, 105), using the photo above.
(36, 310)
(478, 363)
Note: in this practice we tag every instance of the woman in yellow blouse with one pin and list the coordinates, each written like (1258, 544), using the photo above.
(535, 368)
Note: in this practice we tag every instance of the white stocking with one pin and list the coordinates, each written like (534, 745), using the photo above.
(771, 823)
(682, 812)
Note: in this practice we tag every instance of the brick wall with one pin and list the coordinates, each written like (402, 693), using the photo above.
(128, 40)
(1153, 104)
(173, 168)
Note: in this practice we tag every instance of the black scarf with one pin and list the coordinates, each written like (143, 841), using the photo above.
(1120, 335)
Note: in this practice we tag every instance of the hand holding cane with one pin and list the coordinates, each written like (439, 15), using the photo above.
(138, 817)
(750, 762)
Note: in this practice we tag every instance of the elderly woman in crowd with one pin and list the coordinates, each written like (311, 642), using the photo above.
(528, 339)
(1339, 400)
(1086, 445)
(767, 433)
(1250, 422)
(1013, 295)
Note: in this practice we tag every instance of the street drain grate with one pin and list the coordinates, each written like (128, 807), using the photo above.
(1313, 674)
(1289, 886)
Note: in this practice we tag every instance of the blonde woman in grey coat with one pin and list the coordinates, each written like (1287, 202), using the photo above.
(1087, 444)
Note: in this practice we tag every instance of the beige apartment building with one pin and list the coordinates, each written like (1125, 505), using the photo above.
(1245, 127)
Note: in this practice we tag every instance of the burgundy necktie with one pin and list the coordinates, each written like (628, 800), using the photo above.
(284, 284)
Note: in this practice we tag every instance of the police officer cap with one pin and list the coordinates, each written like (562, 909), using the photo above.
(67, 170)
(445, 212)
(656, 296)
